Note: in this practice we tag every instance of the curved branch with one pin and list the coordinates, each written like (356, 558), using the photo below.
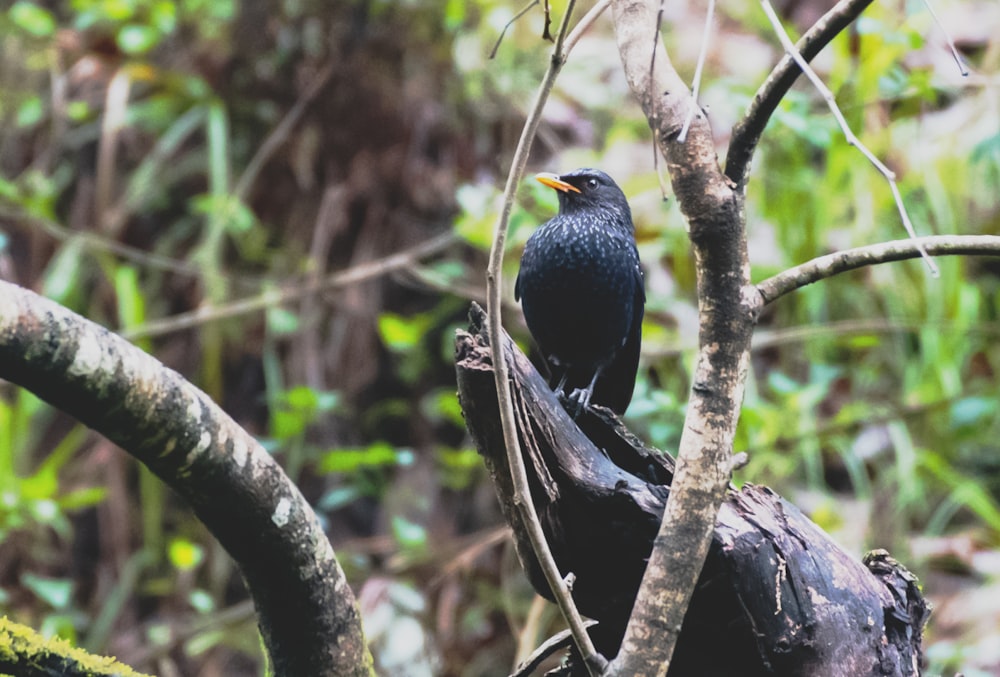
(747, 131)
(306, 611)
(823, 267)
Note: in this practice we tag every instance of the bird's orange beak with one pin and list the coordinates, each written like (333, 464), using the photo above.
(553, 181)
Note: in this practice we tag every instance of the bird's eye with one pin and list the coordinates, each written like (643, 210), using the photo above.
(591, 183)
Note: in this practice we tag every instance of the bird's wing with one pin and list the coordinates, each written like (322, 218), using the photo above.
(616, 383)
(517, 287)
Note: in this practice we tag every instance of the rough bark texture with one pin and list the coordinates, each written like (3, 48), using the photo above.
(714, 210)
(306, 611)
(776, 596)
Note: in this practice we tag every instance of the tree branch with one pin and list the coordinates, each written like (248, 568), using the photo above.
(715, 215)
(827, 266)
(306, 612)
(747, 132)
(271, 298)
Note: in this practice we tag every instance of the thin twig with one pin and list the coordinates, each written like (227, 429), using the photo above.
(275, 297)
(696, 84)
(767, 339)
(583, 24)
(823, 267)
(748, 130)
(280, 133)
(654, 116)
(522, 495)
(521, 12)
(951, 43)
(554, 643)
(115, 106)
(99, 243)
(853, 140)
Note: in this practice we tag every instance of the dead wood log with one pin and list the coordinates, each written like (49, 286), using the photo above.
(776, 596)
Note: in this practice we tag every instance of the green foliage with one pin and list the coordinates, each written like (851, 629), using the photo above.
(142, 25)
(297, 408)
(377, 455)
(33, 498)
(919, 369)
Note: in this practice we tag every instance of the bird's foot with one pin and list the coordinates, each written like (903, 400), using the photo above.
(560, 390)
(579, 400)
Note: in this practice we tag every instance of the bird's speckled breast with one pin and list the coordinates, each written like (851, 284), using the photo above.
(573, 271)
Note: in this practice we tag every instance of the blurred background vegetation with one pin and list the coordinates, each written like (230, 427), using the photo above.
(290, 201)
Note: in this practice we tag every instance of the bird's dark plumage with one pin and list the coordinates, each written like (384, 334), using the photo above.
(582, 290)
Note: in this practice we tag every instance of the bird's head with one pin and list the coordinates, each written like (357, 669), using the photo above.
(586, 189)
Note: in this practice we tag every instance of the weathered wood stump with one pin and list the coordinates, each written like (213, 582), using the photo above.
(776, 596)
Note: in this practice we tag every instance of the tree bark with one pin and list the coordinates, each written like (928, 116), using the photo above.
(714, 210)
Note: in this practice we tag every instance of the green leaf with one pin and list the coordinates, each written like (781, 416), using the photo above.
(56, 592)
(295, 409)
(234, 216)
(454, 14)
(62, 277)
(476, 222)
(9, 190)
(970, 411)
(409, 535)
(30, 112)
(459, 468)
(339, 497)
(443, 405)
(783, 385)
(281, 321)
(163, 15)
(32, 19)
(78, 111)
(400, 334)
(377, 455)
(137, 39)
(128, 292)
(82, 498)
(185, 555)
(201, 601)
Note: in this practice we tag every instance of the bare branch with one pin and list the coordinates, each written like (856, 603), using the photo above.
(280, 133)
(112, 123)
(275, 297)
(235, 487)
(852, 140)
(585, 23)
(747, 131)
(100, 243)
(521, 12)
(696, 84)
(823, 267)
(959, 61)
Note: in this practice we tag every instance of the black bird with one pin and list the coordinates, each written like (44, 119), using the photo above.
(582, 290)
